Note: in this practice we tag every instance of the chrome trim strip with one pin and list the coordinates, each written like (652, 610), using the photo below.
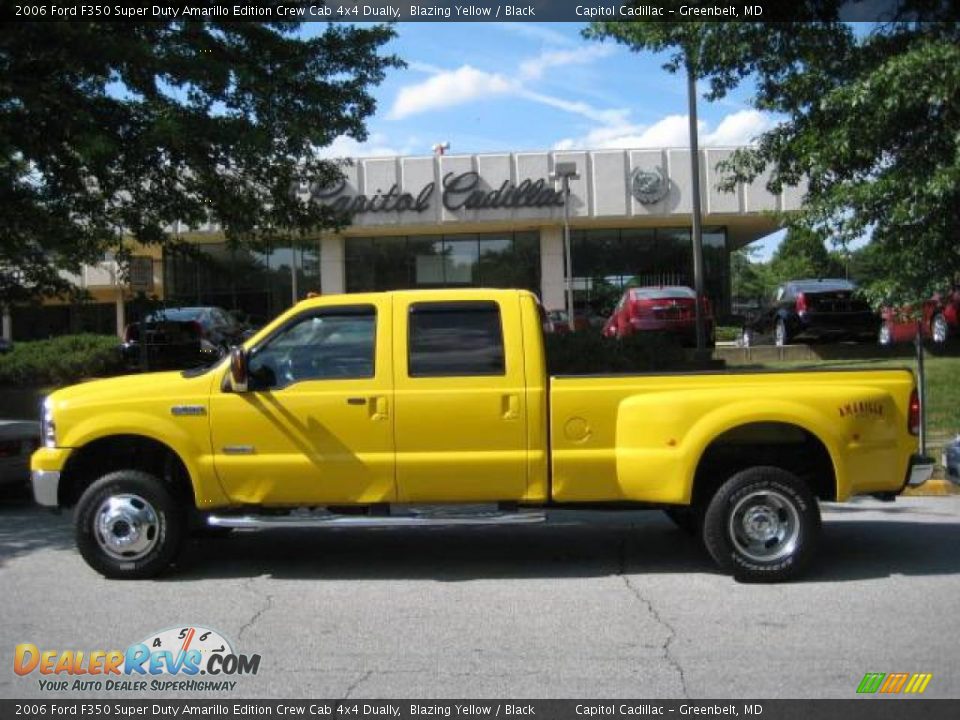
(259, 522)
(188, 410)
(46, 484)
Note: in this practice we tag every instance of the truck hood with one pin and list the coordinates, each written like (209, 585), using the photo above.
(127, 404)
(118, 388)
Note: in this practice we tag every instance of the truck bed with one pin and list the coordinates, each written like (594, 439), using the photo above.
(643, 437)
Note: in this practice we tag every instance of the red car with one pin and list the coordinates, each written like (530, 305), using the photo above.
(940, 320)
(666, 308)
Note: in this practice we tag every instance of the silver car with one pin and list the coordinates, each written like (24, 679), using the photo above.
(18, 440)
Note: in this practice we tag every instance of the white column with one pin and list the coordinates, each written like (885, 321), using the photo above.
(551, 268)
(7, 324)
(332, 265)
(121, 313)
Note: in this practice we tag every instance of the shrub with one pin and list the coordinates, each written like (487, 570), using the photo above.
(589, 352)
(60, 360)
(728, 333)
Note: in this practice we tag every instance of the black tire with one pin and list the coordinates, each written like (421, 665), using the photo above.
(769, 493)
(160, 537)
(685, 518)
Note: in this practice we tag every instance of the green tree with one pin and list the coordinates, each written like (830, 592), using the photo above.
(869, 125)
(750, 281)
(803, 254)
(871, 130)
(114, 128)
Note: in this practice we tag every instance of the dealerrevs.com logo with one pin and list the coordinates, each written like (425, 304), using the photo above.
(188, 659)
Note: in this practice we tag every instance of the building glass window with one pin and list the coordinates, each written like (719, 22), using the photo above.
(605, 262)
(256, 284)
(510, 260)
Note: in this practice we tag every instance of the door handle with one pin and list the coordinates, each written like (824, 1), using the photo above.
(356, 401)
(510, 406)
(378, 408)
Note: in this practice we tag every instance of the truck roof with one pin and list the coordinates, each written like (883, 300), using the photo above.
(431, 294)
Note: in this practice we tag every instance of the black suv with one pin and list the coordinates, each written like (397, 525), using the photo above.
(824, 309)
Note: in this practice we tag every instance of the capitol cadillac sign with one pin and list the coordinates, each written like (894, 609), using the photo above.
(458, 191)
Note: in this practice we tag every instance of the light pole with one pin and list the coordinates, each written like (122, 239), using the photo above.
(695, 186)
(564, 172)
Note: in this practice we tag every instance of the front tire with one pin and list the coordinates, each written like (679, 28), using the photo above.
(762, 525)
(128, 525)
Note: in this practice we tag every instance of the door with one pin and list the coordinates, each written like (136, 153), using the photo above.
(316, 425)
(461, 411)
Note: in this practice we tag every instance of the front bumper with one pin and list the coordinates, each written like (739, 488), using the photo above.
(919, 470)
(46, 487)
(46, 465)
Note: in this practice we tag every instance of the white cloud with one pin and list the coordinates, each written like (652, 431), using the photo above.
(739, 128)
(532, 31)
(450, 88)
(534, 68)
(608, 117)
(376, 145)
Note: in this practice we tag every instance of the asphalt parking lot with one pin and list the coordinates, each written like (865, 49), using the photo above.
(621, 606)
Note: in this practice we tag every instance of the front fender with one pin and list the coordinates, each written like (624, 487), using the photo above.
(187, 435)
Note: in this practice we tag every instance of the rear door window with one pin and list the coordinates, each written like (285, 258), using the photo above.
(455, 339)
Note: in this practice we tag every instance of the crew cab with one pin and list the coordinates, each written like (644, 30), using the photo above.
(414, 407)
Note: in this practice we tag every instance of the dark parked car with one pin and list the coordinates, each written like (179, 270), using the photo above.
(824, 309)
(18, 440)
(181, 337)
(939, 322)
(668, 308)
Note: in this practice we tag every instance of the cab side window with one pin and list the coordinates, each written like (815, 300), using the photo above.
(333, 343)
(455, 339)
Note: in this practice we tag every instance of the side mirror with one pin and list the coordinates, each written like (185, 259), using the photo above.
(238, 370)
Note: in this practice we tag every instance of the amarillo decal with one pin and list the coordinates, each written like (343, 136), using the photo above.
(862, 408)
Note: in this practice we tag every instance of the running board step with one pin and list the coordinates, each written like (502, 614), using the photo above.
(259, 522)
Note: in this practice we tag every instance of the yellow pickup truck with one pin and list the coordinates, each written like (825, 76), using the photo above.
(434, 407)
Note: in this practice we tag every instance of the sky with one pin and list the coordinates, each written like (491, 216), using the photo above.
(494, 87)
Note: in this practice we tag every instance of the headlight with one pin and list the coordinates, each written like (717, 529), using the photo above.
(48, 431)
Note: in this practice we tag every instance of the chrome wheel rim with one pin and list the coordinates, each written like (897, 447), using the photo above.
(126, 527)
(939, 329)
(764, 526)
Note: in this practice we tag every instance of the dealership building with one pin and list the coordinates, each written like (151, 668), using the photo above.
(492, 220)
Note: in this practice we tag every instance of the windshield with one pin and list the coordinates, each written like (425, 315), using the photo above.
(660, 293)
(176, 314)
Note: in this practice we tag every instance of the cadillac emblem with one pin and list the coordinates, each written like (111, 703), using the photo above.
(649, 186)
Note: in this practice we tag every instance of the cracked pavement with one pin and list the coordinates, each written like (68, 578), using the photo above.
(591, 605)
